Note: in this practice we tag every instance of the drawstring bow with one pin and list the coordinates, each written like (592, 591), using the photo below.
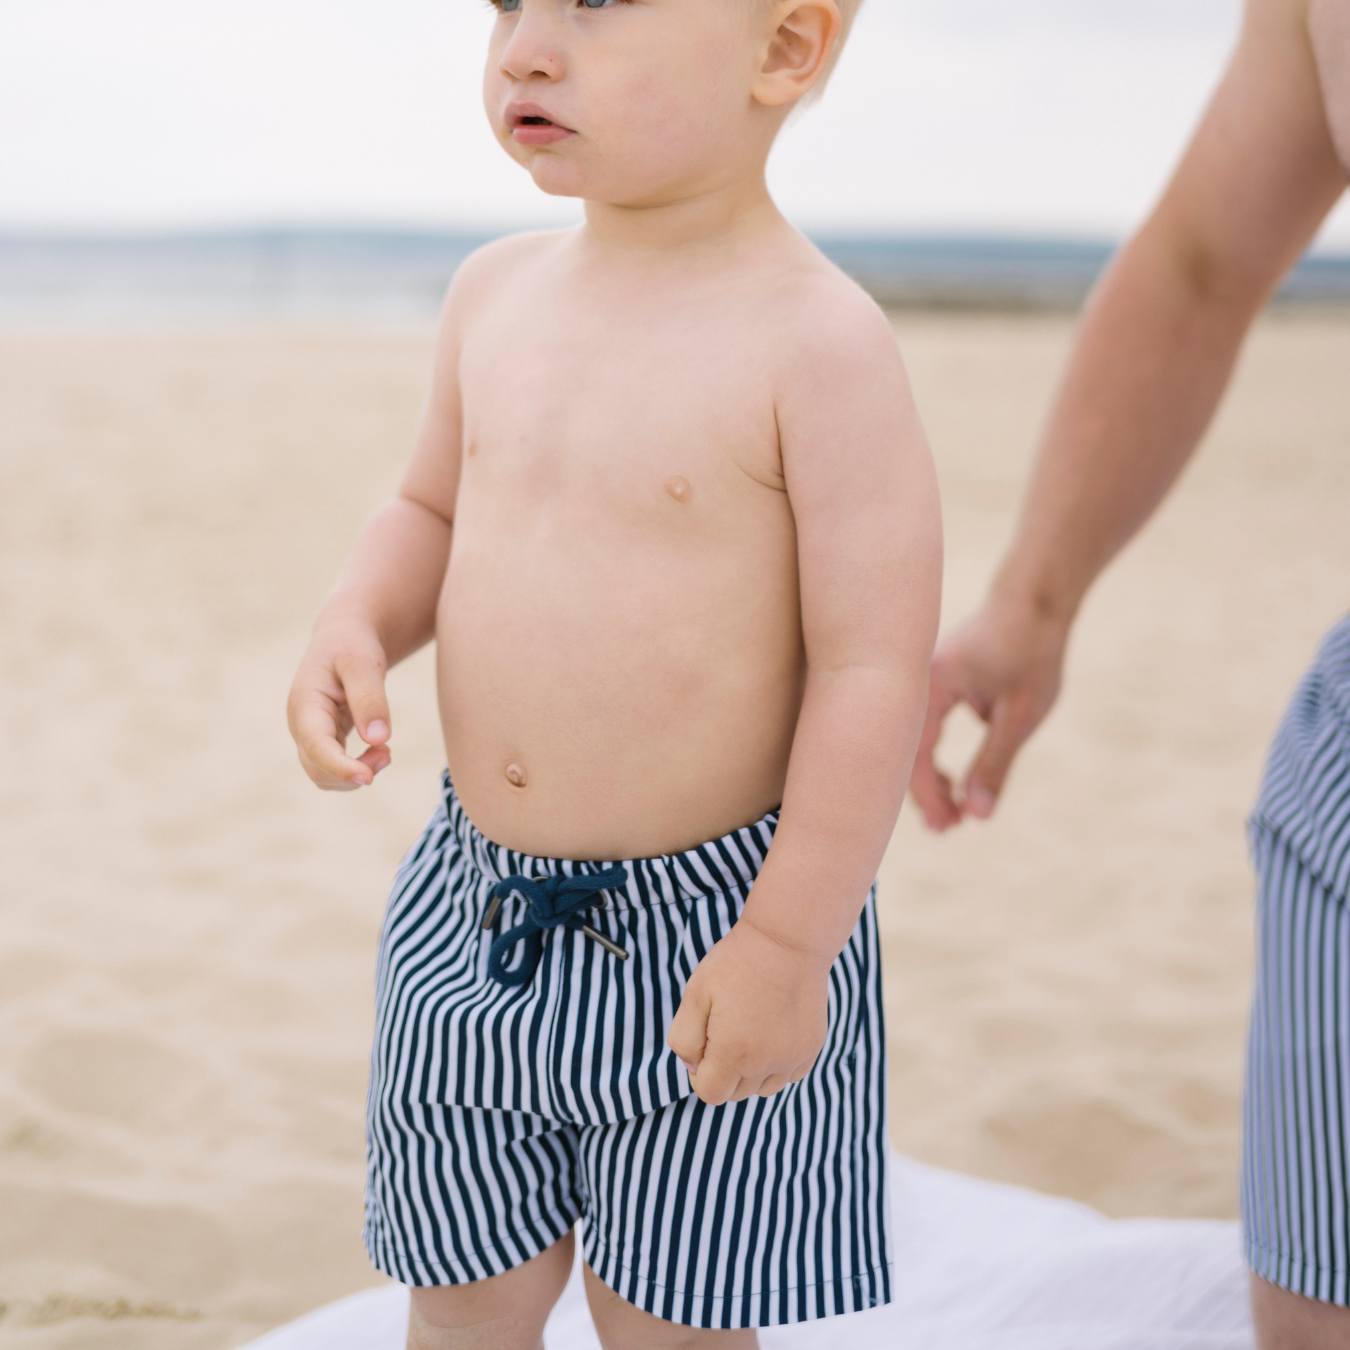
(550, 902)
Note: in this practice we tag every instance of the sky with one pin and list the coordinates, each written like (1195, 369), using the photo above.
(977, 116)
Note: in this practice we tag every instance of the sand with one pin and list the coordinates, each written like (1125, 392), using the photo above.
(188, 927)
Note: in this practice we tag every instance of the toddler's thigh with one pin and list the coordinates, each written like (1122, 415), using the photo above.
(458, 1194)
(621, 1326)
(506, 1312)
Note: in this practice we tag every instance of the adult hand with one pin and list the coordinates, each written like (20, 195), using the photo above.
(1006, 664)
(339, 688)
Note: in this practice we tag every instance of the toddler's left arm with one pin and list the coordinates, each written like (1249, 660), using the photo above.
(864, 497)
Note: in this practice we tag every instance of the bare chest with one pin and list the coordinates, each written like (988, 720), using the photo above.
(609, 410)
(1329, 26)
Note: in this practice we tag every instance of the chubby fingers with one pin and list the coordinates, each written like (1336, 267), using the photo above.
(717, 1082)
(361, 674)
(320, 715)
(688, 1034)
(317, 726)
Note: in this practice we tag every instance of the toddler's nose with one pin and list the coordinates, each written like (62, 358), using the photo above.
(534, 47)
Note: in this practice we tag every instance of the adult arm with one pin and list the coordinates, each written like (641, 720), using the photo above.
(1154, 353)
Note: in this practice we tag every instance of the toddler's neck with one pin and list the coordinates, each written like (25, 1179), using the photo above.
(721, 219)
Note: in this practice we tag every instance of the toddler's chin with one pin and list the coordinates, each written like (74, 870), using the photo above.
(560, 179)
(564, 181)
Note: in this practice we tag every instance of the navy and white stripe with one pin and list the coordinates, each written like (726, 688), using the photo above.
(500, 1116)
(1296, 1135)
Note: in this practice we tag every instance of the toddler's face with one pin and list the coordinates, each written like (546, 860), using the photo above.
(628, 101)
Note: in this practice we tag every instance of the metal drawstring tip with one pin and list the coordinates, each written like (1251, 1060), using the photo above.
(612, 947)
(490, 917)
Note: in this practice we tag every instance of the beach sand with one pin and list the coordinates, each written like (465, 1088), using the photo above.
(189, 927)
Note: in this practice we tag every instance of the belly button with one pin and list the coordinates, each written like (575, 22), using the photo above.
(515, 774)
(679, 488)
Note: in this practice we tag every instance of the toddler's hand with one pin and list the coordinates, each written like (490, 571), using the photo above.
(753, 1017)
(340, 687)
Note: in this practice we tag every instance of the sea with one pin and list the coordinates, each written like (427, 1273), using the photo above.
(388, 276)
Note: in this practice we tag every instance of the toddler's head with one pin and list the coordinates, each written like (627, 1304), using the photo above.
(635, 102)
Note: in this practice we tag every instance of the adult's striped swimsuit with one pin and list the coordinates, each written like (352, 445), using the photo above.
(1296, 1135)
(501, 1116)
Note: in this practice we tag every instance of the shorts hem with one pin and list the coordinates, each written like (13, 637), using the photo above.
(423, 1271)
(858, 1292)
(1323, 1283)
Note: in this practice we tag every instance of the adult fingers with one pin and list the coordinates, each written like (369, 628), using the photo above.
(931, 788)
(1008, 732)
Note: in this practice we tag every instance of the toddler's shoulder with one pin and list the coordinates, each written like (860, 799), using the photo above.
(827, 319)
(487, 269)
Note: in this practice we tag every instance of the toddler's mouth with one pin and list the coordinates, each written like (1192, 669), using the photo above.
(531, 125)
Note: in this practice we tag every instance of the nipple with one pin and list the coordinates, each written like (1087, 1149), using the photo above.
(515, 774)
(679, 488)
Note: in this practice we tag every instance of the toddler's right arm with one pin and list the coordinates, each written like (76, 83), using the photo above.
(383, 607)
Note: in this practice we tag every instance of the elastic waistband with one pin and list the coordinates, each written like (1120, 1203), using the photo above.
(727, 864)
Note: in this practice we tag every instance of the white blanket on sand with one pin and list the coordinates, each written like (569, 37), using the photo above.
(979, 1266)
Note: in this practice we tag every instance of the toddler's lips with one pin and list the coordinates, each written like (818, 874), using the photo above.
(531, 125)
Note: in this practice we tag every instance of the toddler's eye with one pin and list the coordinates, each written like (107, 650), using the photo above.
(597, 4)
(508, 5)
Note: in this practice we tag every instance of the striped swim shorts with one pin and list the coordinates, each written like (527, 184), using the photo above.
(501, 1116)
(1296, 1127)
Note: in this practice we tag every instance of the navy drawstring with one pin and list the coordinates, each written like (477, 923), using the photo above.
(550, 902)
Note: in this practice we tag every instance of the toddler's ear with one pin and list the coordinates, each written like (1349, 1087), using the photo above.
(799, 48)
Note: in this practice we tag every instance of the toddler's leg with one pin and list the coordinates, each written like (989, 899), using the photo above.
(621, 1326)
(504, 1312)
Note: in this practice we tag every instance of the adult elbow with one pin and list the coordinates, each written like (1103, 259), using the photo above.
(1206, 274)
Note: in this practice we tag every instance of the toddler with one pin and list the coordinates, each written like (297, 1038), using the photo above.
(671, 521)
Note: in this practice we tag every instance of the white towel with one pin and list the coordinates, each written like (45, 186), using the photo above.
(978, 1266)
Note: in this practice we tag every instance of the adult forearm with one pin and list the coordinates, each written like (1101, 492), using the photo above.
(1157, 346)
(392, 578)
